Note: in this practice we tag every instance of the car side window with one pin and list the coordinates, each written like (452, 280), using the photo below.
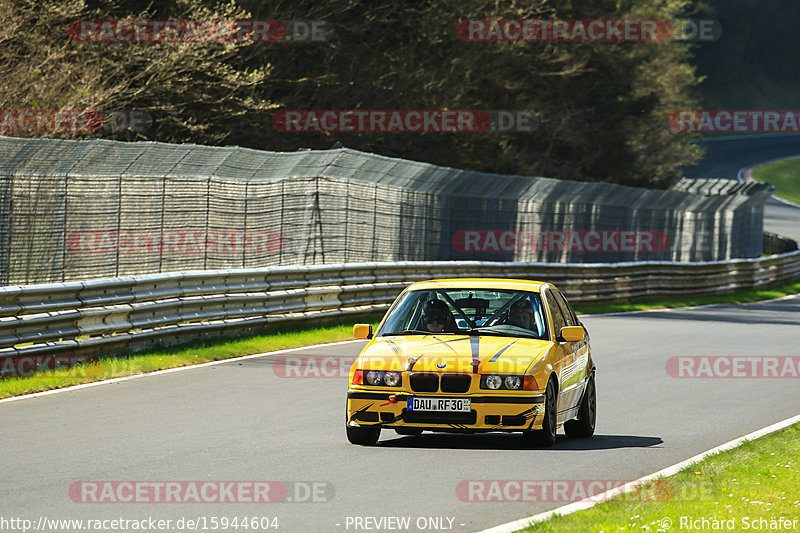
(569, 314)
(555, 311)
(540, 317)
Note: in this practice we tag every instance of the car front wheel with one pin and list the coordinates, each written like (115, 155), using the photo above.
(547, 435)
(583, 427)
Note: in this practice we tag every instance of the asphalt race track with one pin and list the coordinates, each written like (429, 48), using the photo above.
(726, 156)
(242, 421)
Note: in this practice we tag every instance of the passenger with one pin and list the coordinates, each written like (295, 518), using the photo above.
(521, 314)
(437, 318)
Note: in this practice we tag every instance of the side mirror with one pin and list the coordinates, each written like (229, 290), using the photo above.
(572, 333)
(364, 331)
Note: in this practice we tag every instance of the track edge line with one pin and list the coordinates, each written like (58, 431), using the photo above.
(166, 371)
(628, 487)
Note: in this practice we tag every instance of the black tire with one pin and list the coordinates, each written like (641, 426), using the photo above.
(583, 427)
(364, 436)
(408, 431)
(546, 436)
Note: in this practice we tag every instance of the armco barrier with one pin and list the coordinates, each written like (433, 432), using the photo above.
(776, 244)
(83, 318)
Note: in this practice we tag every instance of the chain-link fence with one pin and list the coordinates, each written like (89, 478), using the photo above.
(88, 209)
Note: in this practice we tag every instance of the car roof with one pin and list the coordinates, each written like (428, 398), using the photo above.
(480, 283)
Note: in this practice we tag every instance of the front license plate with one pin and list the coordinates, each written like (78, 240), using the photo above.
(451, 405)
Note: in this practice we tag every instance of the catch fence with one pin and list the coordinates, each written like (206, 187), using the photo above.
(72, 210)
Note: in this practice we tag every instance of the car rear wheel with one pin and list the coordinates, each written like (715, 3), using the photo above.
(547, 435)
(408, 431)
(583, 427)
(363, 436)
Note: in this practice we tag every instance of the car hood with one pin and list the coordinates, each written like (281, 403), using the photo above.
(459, 353)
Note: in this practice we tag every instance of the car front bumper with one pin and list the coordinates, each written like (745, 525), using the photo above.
(487, 412)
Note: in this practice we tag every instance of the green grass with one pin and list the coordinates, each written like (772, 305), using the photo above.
(180, 355)
(784, 175)
(160, 358)
(758, 479)
(737, 297)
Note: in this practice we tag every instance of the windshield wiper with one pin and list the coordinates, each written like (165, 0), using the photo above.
(479, 331)
(416, 332)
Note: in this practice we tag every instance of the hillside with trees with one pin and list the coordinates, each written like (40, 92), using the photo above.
(599, 108)
(754, 63)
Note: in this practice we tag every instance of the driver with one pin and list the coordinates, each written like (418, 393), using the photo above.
(521, 314)
(436, 317)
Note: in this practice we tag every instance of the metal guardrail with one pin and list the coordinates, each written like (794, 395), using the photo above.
(776, 244)
(82, 318)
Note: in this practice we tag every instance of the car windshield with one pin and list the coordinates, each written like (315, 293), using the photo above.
(500, 312)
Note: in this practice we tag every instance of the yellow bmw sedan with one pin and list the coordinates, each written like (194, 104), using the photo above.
(474, 355)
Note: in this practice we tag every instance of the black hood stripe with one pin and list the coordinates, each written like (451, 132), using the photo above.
(475, 345)
(495, 356)
(395, 348)
(446, 343)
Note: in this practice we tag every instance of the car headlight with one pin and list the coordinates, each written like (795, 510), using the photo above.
(392, 379)
(378, 378)
(493, 382)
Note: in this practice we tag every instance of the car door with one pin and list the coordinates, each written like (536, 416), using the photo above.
(579, 353)
(565, 356)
